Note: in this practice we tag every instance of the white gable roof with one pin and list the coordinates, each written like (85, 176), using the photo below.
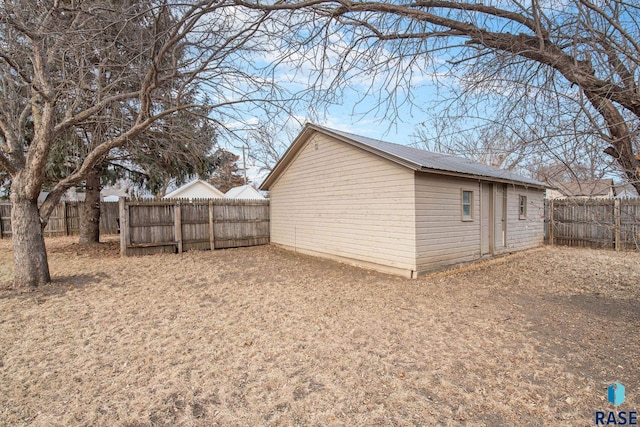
(197, 189)
(243, 192)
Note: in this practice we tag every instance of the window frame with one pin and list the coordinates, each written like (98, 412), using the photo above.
(471, 204)
(522, 208)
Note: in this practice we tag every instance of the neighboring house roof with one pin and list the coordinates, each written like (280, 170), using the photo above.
(243, 192)
(590, 188)
(113, 194)
(625, 190)
(195, 190)
(413, 158)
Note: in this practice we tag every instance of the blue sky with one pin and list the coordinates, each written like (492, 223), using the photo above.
(374, 74)
(361, 109)
(350, 117)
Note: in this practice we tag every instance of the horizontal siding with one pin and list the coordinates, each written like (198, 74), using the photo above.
(524, 233)
(339, 200)
(442, 238)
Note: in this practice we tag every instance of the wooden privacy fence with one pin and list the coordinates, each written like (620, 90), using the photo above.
(148, 227)
(596, 223)
(65, 219)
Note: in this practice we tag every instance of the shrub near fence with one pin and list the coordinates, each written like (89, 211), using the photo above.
(596, 223)
(65, 219)
(148, 227)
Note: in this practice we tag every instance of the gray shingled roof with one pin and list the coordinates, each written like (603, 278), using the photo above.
(430, 161)
(413, 158)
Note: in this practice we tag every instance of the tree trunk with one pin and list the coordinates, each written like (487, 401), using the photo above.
(29, 252)
(90, 218)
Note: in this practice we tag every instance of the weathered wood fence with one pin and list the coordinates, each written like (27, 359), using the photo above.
(148, 227)
(65, 219)
(596, 223)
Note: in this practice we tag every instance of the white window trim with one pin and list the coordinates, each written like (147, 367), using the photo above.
(472, 206)
(526, 202)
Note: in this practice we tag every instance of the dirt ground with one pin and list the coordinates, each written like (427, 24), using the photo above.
(262, 336)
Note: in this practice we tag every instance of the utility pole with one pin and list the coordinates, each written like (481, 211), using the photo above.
(244, 161)
(244, 165)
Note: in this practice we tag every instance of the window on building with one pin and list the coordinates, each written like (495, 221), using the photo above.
(522, 208)
(467, 205)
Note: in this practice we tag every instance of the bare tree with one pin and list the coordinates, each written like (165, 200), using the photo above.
(269, 141)
(55, 77)
(577, 58)
(544, 152)
(495, 145)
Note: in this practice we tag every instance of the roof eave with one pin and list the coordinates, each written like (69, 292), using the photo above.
(396, 159)
(419, 167)
(306, 134)
(478, 177)
(310, 128)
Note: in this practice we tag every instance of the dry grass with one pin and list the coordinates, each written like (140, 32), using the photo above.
(261, 336)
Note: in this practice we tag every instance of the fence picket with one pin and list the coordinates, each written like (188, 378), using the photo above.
(596, 223)
(182, 225)
(65, 219)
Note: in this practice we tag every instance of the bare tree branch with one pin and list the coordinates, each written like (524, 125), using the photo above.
(534, 52)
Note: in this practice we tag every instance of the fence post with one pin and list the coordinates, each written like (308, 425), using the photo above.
(212, 239)
(123, 213)
(616, 220)
(177, 216)
(551, 229)
(64, 219)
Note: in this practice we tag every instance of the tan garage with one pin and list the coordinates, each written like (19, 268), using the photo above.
(395, 208)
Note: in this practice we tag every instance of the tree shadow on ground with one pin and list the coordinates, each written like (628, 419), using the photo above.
(596, 334)
(58, 286)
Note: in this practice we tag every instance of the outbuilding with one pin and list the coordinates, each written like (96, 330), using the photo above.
(197, 189)
(246, 192)
(395, 208)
